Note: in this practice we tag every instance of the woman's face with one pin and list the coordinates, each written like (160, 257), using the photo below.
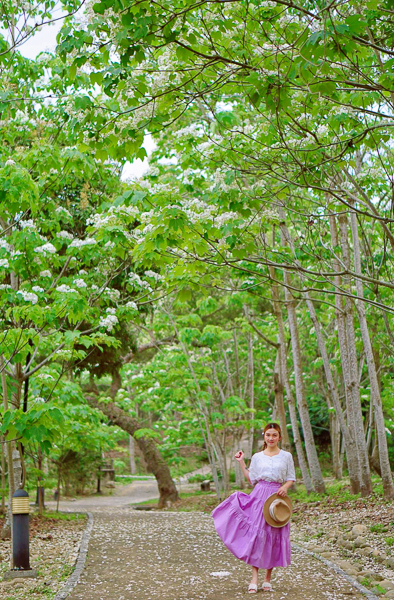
(271, 438)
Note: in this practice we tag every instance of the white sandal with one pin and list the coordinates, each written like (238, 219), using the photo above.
(267, 587)
(252, 589)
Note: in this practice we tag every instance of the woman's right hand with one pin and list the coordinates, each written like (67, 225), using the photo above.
(239, 456)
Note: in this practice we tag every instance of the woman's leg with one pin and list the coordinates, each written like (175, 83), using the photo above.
(268, 575)
(255, 575)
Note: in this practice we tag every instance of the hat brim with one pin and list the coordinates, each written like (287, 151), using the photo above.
(266, 510)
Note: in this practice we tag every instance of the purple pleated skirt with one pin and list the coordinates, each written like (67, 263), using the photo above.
(240, 524)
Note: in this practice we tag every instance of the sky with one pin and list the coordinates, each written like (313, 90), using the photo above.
(45, 40)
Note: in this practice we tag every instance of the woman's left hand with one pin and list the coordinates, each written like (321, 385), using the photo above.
(282, 491)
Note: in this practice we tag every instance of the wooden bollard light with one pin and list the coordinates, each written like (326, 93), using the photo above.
(20, 542)
(20, 537)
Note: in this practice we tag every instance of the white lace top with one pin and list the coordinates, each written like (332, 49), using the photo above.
(279, 468)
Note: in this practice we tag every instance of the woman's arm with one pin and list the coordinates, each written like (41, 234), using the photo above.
(290, 477)
(239, 457)
(285, 488)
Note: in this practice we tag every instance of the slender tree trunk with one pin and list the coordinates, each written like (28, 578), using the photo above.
(133, 468)
(387, 478)
(310, 447)
(350, 443)
(366, 484)
(3, 480)
(6, 531)
(289, 394)
(59, 481)
(353, 452)
(280, 405)
(251, 389)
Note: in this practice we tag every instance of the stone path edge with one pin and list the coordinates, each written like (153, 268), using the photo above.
(80, 562)
(338, 570)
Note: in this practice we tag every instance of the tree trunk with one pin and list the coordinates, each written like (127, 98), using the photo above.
(387, 478)
(133, 468)
(348, 434)
(280, 405)
(152, 456)
(251, 389)
(310, 447)
(289, 394)
(353, 457)
(365, 484)
(3, 480)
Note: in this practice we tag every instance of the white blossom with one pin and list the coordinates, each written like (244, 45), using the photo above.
(65, 235)
(28, 296)
(4, 263)
(154, 275)
(28, 224)
(65, 289)
(80, 283)
(46, 248)
(5, 245)
(45, 273)
(131, 304)
(81, 243)
(5, 286)
(110, 320)
(113, 294)
(60, 210)
(10, 162)
(38, 289)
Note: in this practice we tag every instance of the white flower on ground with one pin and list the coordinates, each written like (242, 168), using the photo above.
(28, 296)
(46, 248)
(80, 283)
(65, 289)
(38, 289)
(4, 263)
(45, 273)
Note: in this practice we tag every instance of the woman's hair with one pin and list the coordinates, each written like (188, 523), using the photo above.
(271, 426)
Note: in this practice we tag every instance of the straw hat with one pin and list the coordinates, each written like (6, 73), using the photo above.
(277, 511)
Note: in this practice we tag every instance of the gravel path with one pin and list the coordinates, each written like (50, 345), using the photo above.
(171, 556)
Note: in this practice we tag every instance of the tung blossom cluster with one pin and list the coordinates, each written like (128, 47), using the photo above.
(47, 248)
(80, 243)
(65, 289)
(28, 296)
(110, 320)
(102, 219)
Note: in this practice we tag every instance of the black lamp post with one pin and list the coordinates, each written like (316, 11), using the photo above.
(20, 537)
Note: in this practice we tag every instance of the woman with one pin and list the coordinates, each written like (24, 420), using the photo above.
(239, 520)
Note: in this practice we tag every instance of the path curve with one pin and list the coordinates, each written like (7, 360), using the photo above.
(178, 556)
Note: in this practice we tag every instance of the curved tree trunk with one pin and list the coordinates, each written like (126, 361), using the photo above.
(152, 456)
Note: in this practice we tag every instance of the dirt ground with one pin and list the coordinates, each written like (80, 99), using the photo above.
(171, 556)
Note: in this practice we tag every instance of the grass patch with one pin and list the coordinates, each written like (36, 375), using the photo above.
(378, 528)
(390, 541)
(50, 515)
